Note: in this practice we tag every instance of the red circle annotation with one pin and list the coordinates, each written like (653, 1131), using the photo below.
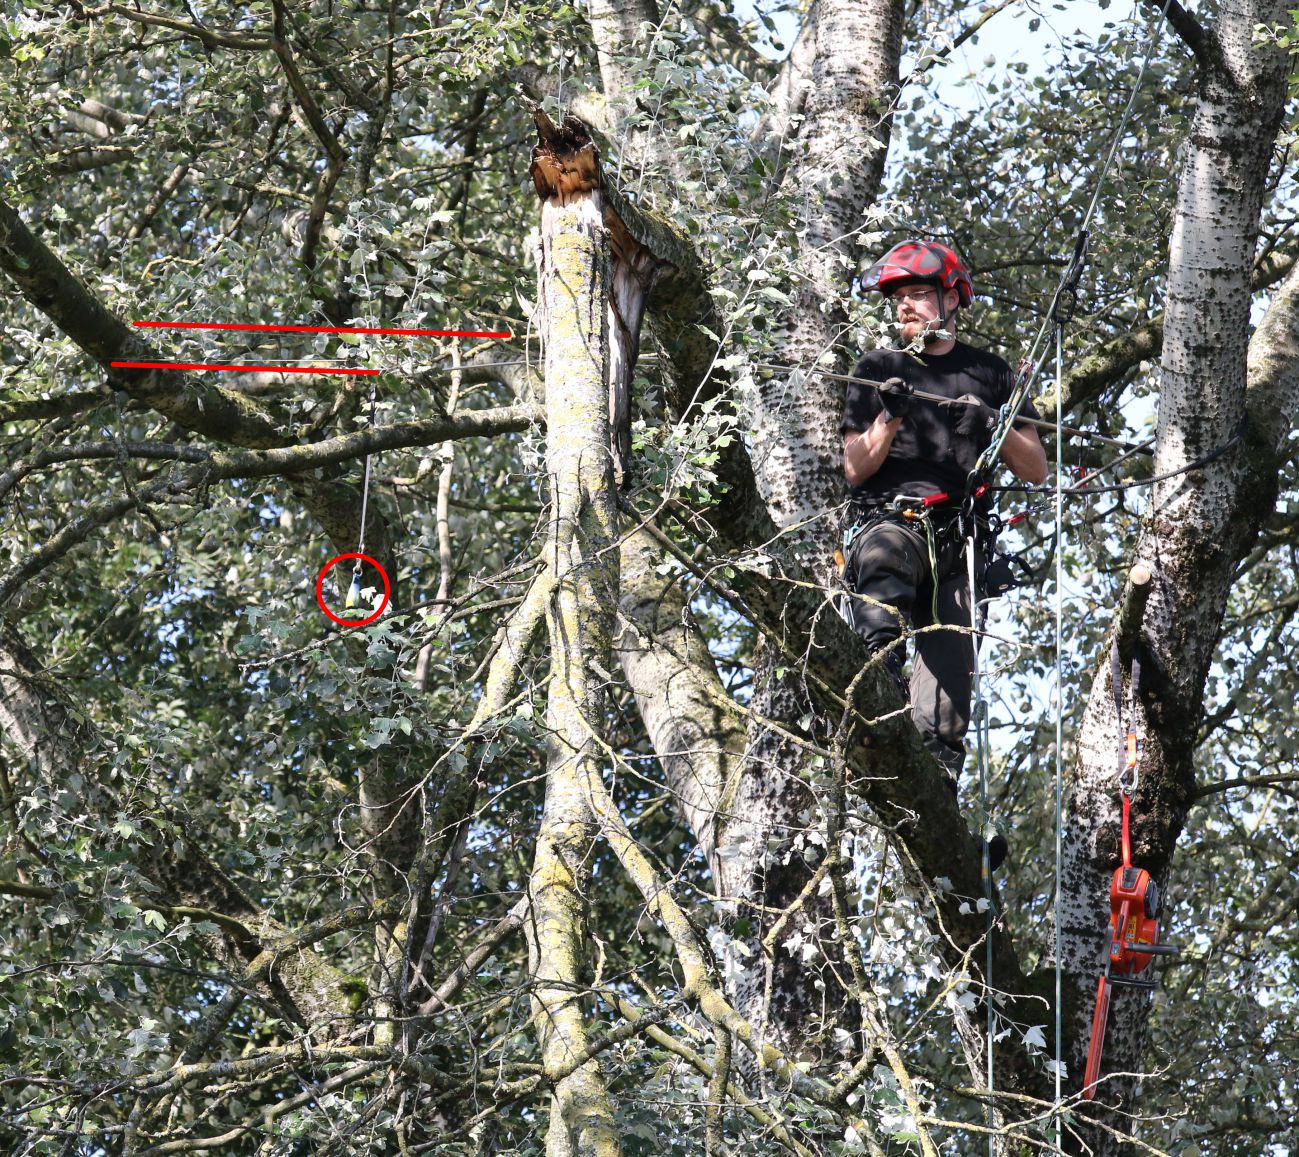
(320, 594)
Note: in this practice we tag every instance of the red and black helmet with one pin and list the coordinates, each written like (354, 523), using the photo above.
(920, 261)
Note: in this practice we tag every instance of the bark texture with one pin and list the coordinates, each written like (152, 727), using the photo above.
(697, 731)
(1200, 523)
(841, 148)
(844, 80)
(582, 563)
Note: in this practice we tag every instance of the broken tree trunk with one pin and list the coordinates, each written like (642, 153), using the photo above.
(581, 559)
(565, 172)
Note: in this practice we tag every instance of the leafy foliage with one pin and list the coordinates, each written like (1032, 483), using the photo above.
(365, 165)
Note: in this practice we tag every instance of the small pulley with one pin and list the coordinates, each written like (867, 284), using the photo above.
(354, 591)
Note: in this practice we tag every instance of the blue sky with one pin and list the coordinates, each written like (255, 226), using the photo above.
(1026, 32)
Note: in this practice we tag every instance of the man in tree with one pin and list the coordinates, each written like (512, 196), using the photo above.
(904, 557)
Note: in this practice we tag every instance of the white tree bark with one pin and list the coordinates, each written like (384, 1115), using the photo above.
(1199, 523)
(851, 85)
(582, 561)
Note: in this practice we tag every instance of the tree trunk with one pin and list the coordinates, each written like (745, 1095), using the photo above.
(1199, 524)
(697, 731)
(773, 832)
(582, 561)
(841, 151)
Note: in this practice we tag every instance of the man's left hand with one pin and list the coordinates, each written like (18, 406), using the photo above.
(975, 419)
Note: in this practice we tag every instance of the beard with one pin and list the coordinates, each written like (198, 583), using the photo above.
(921, 330)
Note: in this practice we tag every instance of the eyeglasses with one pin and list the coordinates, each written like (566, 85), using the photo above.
(924, 293)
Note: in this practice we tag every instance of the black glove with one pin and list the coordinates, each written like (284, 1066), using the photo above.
(975, 419)
(896, 398)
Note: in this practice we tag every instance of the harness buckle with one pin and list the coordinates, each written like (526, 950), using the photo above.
(917, 505)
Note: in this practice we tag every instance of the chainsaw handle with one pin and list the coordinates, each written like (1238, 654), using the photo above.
(1157, 949)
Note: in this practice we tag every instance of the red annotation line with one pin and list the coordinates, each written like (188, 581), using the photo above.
(320, 329)
(215, 366)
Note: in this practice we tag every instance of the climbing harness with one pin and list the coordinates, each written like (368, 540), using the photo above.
(943, 539)
(1133, 937)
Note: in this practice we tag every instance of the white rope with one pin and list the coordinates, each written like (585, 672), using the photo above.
(1073, 270)
(979, 717)
(1059, 744)
(354, 591)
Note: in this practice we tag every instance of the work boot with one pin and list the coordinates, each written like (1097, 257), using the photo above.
(893, 661)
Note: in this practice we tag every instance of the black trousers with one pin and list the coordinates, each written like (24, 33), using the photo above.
(889, 565)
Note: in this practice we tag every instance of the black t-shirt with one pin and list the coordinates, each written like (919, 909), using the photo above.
(927, 455)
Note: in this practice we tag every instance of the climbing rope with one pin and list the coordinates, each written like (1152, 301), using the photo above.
(1064, 302)
(1057, 914)
(354, 591)
(979, 717)
(940, 399)
(1061, 310)
(1083, 488)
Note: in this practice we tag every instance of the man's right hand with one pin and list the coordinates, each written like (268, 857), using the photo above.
(896, 398)
(975, 419)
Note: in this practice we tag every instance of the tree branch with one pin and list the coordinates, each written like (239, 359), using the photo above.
(41, 409)
(100, 120)
(51, 287)
(971, 29)
(1251, 781)
(177, 911)
(697, 731)
(84, 160)
(316, 121)
(1109, 361)
(96, 451)
(790, 92)
(753, 1109)
(727, 36)
(160, 197)
(1203, 43)
(375, 440)
(209, 37)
